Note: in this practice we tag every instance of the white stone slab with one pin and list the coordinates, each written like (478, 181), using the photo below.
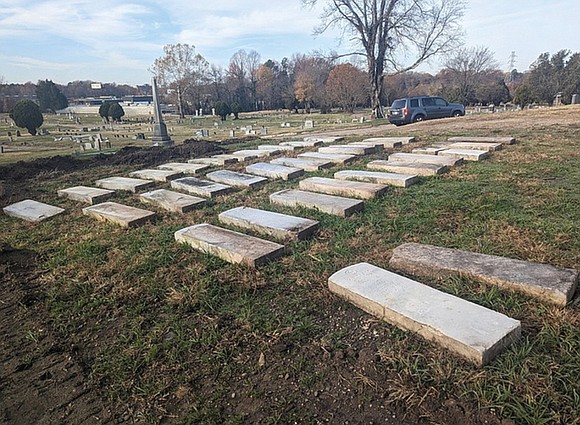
(425, 159)
(324, 139)
(346, 188)
(302, 143)
(124, 183)
(276, 148)
(120, 214)
(232, 178)
(329, 204)
(88, 195)
(172, 201)
(415, 168)
(239, 158)
(257, 153)
(213, 161)
(156, 175)
(185, 168)
(393, 179)
(348, 149)
(273, 171)
(379, 147)
(228, 245)
(502, 140)
(476, 146)
(200, 187)
(391, 142)
(336, 158)
(428, 151)
(546, 282)
(470, 330)
(280, 226)
(467, 155)
(31, 210)
(307, 165)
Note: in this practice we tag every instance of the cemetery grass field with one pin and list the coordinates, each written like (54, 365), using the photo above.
(156, 332)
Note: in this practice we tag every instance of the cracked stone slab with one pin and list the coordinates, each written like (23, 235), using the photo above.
(329, 204)
(120, 214)
(474, 332)
(228, 245)
(88, 195)
(502, 140)
(348, 149)
(273, 171)
(392, 179)
(336, 158)
(124, 183)
(543, 281)
(306, 165)
(415, 168)
(32, 211)
(157, 175)
(233, 178)
(346, 188)
(425, 159)
(280, 226)
(185, 168)
(172, 201)
(467, 155)
(200, 187)
(215, 160)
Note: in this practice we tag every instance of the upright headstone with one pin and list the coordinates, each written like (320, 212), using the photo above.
(575, 99)
(160, 136)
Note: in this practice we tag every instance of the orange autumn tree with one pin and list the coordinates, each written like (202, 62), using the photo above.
(347, 87)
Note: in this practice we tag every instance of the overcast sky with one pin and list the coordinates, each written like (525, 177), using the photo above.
(117, 41)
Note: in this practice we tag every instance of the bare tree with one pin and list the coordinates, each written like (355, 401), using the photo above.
(391, 32)
(181, 69)
(243, 77)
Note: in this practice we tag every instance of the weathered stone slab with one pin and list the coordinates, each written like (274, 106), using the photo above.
(120, 214)
(379, 147)
(281, 226)
(157, 175)
(546, 282)
(502, 140)
(302, 143)
(31, 210)
(391, 142)
(185, 168)
(124, 183)
(335, 205)
(276, 148)
(467, 155)
(88, 195)
(348, 149)
(274, 171)
(343, 187)
(257, 153)
(324, 139)
(425, 159)
(228, 245)
(416, 168)
(428, 151)
(232, 178)
(307, 165)
(476, 146)
(200, 187)
(470, 330)
(213, 161)
(393, 179)
(172, 201)
(336, 158)
(239, 158)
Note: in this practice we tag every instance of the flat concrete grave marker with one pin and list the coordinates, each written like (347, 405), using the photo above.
(238, 158)
(416, 168)
(172, 201)
(273, 171)
(232, 178)
(393, 179)
(184, 168)
(157, 175)
(379, 147)
(200, 187)
(468, 155)
(336, 158)
(32, 211)
(124, 183)
(343, 187)
(470, 330)
(280, 226)
(120, 214)
(543, 281)
(88, 195)
(329, 204)
(348, 149)
(302, 143)
(324, 139)
(228, 245)
(307, 165)
(276, 148)
(256, 153)
(391, 142)
(475, 146)
(426, 159)
(213, 161)
(502, 140)
(428, 151)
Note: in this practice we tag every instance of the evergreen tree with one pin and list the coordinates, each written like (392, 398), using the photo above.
(50, 98)
(26, 114)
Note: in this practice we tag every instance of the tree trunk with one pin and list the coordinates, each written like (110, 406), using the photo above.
(376, 67)
(180, 102)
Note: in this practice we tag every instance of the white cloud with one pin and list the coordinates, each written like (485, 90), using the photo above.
(31, 63)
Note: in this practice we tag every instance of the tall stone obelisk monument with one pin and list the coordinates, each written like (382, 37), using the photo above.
(160, 136)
